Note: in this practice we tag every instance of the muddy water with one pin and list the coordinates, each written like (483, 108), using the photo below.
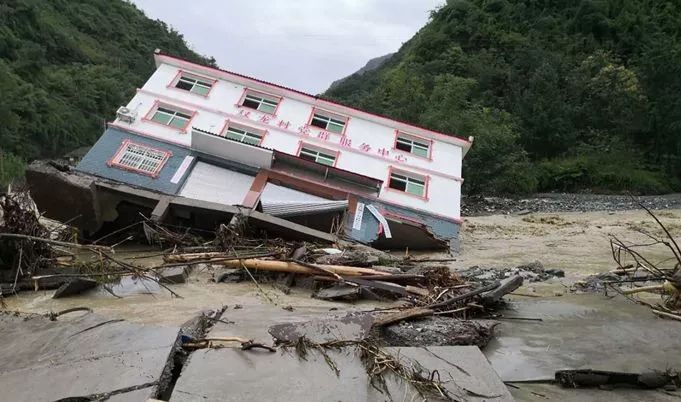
(147, 303)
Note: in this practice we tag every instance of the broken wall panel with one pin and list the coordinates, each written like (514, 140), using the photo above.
(96, 162)
(212, 183)
(420, 229)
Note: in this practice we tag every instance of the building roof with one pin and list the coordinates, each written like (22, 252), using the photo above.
(464, 143)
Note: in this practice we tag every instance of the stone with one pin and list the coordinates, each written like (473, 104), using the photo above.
(339, 292)
(439, 331)
(174, 275)
(229, 275)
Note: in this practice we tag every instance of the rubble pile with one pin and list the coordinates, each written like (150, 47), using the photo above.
(532, 272)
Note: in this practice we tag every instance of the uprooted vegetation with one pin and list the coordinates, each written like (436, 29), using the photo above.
(639, 273)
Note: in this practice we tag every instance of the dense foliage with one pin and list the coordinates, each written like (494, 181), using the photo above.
(65, 67)
(559, 94)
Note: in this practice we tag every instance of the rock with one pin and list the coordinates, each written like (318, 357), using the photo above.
(229, 275)
(556, 272)
(338, 292)
(439, 331)
(74, 287)
(174, 275)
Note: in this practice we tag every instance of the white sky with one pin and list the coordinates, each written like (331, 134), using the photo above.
(303, 44)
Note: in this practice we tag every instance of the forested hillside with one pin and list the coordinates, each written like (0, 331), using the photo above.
(65, 67)
(560, 95)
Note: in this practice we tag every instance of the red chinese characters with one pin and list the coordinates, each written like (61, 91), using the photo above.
(283, 124)
(384, 152)
(400, 158)
(323, 135)
(304, 130)
(245, 113)
(365, 147)
(345, 142)
(266, 118)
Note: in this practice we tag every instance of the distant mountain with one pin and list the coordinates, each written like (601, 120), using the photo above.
(370, 66)
(560, 95)
(65, 66)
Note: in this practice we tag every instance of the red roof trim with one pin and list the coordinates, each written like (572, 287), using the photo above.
(316, 97)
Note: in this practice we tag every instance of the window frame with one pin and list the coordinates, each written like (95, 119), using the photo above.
(413, 138)
(408, 175)
(149, 117)
(330, 116)
(318, 150)
(246, 129)
(196, 77)
(115, 161)
(259, 94)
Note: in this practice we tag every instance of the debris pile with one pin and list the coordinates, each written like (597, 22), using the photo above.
(636, 274)
(532, 272)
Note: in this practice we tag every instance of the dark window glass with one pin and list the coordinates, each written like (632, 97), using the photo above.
(184, 85)
(398, 185)
(318, 123)
(250, 103)
(403, 146)
(308, 157)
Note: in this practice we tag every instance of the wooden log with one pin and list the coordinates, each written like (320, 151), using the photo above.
(402, 315)
(465, 296)
(506, 286)
(667, 315)
(287, 266)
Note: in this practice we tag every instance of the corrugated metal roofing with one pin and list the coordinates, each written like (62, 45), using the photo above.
(294, 208)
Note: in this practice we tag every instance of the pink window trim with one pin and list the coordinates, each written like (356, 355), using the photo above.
(426, 180)
(427, 140)
(230, 76)
(114, 161)
(225, 126)
(315, 109)
(154, 108)
(236, 117)
(189, 73)
(247, 90)
(301, 143)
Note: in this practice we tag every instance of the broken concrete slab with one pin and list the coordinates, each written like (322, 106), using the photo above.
(80, 355)
(174, 275)
(439, 331)
(235, 375)
(581, 331)
(352, 327)
(74, 286)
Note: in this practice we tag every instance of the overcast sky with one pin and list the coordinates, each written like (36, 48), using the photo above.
(303, 44)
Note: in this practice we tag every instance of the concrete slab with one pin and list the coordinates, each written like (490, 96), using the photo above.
(235, 375)
(582, 331)
(349, 328)
(80, 355)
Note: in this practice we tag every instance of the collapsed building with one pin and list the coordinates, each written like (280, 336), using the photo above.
(197, 144)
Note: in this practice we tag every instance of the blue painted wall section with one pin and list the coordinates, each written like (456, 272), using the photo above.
(95, 162)
(440, 228)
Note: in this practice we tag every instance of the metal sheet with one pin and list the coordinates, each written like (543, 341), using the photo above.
(231, 150)
(283, 201)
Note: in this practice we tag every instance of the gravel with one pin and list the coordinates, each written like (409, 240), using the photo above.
(551, 203)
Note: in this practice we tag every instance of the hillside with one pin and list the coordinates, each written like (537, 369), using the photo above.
(560, 95)
(65, 66)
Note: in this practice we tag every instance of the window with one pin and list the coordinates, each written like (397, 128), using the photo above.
(408, 184)
(417, 147)
(140, 158)
(260, 102)
(323, 157)
(244, 135)
(171, 117)
(194, 84)
(329, 123)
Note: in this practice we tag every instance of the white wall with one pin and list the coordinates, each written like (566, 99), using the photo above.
(212, 113)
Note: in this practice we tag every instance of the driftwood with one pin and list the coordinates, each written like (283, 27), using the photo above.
(465, 296)
(506, 286)
(284, 266)
(403, 315)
